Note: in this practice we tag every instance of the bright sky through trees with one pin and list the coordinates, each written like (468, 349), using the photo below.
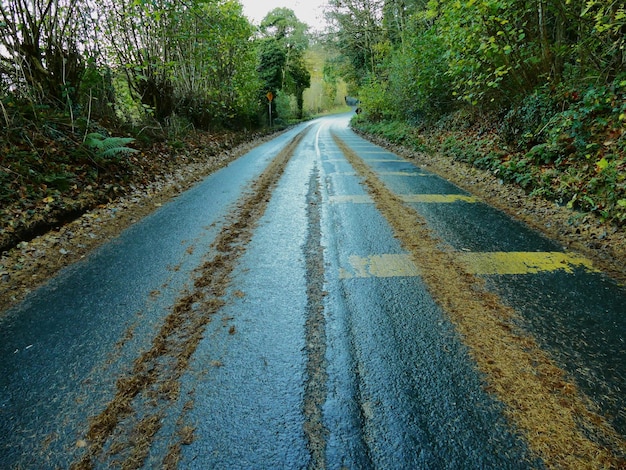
(307, 11)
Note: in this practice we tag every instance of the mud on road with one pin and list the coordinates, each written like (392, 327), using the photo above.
(125, 429)
(556, 419)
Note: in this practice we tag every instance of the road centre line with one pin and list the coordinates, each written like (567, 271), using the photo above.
(410, 198)
(478, 263)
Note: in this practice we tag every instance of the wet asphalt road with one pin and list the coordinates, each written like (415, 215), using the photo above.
(328, 350)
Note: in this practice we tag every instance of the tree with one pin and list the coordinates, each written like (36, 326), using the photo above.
(358, 33)
(191, 58)
(40, 54)
(282, 66)
(215, 78)
(139, 34)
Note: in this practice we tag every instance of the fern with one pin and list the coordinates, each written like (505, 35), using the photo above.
(109, 146)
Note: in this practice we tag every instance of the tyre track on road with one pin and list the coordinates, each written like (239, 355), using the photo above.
(125, 429)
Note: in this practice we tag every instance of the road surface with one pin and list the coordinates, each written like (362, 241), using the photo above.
(318, 303)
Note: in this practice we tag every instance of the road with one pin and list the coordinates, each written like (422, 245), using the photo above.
(319, 303)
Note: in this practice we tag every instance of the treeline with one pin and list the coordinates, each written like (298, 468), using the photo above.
(549, 76)
(201, 61)
(98, 97)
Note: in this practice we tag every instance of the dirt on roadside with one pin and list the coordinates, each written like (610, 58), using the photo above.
(30, 264)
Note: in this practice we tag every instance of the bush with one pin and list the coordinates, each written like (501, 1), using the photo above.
(396, 132)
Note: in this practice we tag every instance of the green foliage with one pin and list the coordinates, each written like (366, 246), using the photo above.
(359, 37)
(549, 77)
(281, 56)
(272, 61)
(193, 59)
(109, 146)
(282, 25)
(374, 97)
(393, 131)
(286, 109)
(327, 91)
(419, 89)
(523, 123)
(219, 88)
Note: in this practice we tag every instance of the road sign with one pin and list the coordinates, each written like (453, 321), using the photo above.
(270, 96)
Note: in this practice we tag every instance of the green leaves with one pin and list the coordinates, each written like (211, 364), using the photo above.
(281, 56)
(190, 59)
(109, 146)
(603, 164)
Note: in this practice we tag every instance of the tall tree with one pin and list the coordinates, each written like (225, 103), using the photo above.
(215, 77)
(358, 33)
(191, 58)
(285, 38)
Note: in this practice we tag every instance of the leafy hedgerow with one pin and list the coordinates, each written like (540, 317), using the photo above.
(565, 144)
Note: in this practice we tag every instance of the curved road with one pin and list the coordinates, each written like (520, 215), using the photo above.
(319, 303)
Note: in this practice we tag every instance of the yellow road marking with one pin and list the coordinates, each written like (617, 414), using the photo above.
(488, 263)
(523, 262)
(438, 198)
(427, 198)
(379, 266)
(402, 173)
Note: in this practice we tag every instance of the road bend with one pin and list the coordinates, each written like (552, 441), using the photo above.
(319, 303)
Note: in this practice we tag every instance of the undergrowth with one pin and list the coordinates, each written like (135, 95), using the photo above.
(561, 143)
(55, 166)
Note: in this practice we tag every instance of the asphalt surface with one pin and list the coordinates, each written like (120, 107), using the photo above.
(327, 349)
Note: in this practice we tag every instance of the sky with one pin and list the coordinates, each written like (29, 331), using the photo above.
(307, 11)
